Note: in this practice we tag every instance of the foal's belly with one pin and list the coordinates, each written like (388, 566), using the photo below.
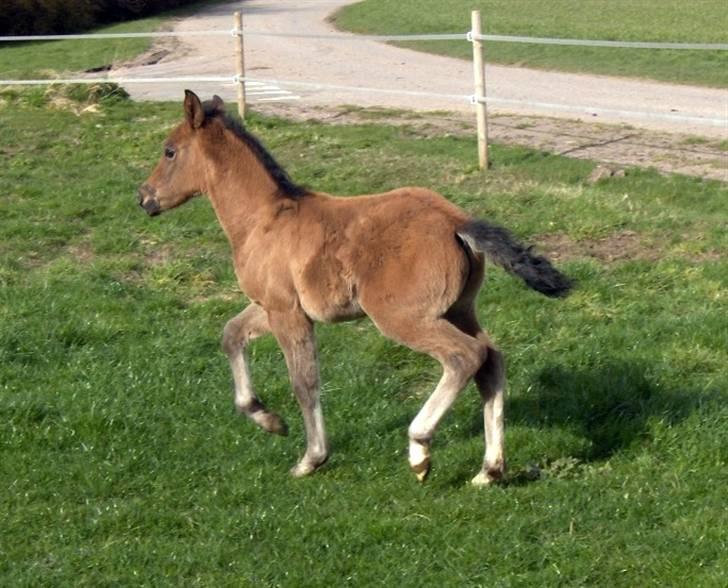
(330, 304)
(332, 314)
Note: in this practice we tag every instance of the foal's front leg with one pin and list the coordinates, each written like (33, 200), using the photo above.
(239, 331)
(295, 335)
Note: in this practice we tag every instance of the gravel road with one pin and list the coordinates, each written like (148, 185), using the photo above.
(371, 64)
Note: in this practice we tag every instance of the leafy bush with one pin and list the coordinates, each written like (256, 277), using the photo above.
(101, 92)
(35, 17)
(23, 17)
(76, 94)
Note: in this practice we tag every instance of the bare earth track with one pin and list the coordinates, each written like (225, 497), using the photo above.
(683, 147)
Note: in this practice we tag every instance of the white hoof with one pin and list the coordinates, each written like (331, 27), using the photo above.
(482, 480)
(307, 466)
(419, 459)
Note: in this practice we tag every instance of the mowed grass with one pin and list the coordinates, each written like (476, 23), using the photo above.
(56, 59)
(123, 464)
(699, 21)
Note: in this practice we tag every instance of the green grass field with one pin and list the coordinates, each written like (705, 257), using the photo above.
(56, 59)
(121, 460)
(53, 59)
(698, 21)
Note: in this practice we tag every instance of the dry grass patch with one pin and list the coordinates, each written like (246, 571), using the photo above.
(619, 246)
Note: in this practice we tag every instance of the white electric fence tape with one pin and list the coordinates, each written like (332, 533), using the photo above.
(91, 36)
(352, 37)
(402, 38)
(613, 44)
(121, 80)
(260, 85)
(267, 86)
(595, 110)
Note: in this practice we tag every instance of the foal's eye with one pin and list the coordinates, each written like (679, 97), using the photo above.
(169, 152)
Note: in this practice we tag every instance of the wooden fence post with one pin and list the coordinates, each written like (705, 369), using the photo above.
(480, 106)
(240, 62)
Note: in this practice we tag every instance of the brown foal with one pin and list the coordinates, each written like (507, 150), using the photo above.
(408, 259)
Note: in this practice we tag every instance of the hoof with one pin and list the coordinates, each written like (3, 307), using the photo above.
(301, 469)
(482, 480)
(421, 470)
(274, 424)
(419, 459)
(306, 467)
(266, 420)
(487, 478)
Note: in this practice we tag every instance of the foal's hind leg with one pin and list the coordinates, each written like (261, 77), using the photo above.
(491, 381)
(460, 355)
(239, 331)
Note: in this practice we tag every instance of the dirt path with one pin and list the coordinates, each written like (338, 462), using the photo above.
(691, 148)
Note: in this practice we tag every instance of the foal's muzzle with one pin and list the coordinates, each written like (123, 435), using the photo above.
(148, 200)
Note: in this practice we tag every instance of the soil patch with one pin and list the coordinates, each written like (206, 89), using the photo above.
(82, 252)
(616, 247)
(620, 146)
(619, 246)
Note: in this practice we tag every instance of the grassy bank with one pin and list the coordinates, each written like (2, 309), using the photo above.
(701, 21)
(54, 59)
(121, 461)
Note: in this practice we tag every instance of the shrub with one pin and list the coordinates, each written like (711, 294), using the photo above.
(101, 92)
(37, 17)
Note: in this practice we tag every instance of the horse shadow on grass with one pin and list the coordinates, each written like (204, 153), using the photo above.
(607, 408)
(600, 411)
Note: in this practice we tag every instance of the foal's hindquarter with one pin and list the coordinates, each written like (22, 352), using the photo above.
(408, 259)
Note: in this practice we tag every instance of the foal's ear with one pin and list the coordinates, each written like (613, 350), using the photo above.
(217, 104)
(194, 112)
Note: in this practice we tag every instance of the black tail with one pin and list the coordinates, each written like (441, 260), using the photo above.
(503, 249)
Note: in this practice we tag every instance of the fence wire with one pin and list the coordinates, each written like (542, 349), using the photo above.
(258, 82)
(612, 44)
(469, 36)
(386, 38)
(690, 118)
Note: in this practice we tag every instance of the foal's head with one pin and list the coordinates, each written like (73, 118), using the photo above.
(180, 172)
(203, 138)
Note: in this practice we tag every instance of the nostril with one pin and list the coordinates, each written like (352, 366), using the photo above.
(152, 207)
(145, 194)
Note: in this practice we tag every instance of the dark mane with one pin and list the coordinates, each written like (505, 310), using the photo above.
(286, 185)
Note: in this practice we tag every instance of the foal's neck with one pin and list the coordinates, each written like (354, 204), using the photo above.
(240, 188)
